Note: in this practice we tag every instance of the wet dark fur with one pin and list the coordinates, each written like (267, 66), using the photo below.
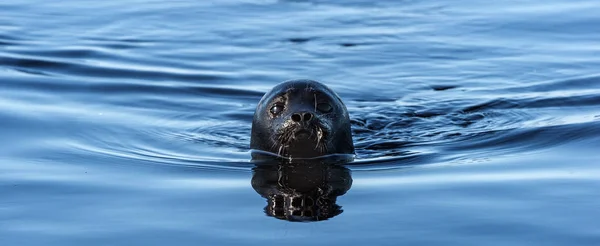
(325, 133)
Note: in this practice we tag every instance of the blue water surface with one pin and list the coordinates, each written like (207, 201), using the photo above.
(128, 122)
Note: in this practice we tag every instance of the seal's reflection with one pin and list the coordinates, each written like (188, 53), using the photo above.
(301, 191)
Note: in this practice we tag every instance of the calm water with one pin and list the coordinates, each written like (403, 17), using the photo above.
(128, 122)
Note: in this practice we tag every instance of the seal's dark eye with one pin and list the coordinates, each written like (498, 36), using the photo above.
(276, 109)
(324, 107)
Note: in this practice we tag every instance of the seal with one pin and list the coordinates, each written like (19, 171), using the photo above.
(301, 119)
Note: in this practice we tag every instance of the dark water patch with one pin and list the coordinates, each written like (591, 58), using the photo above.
(493, 104)
(119, 46)
(32, 72)
(465, 120)
(358, 122)
(299, 40)
(349, 44)
(384, 145)
(4, 43)
(33, 63)
(8, 40)
(65, 53)
(130, 40)
(443, 87)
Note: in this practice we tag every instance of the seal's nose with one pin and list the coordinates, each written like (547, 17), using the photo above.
(302, 117)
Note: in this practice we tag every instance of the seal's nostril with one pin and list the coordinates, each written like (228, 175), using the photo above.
(307, 116)
(296, 117)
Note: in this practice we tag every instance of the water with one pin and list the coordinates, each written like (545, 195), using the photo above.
(128, 122)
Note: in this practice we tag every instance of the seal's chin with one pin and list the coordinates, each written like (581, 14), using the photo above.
(302, 134)
(303, 142)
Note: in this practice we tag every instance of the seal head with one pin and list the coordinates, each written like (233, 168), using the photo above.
(301, 119)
